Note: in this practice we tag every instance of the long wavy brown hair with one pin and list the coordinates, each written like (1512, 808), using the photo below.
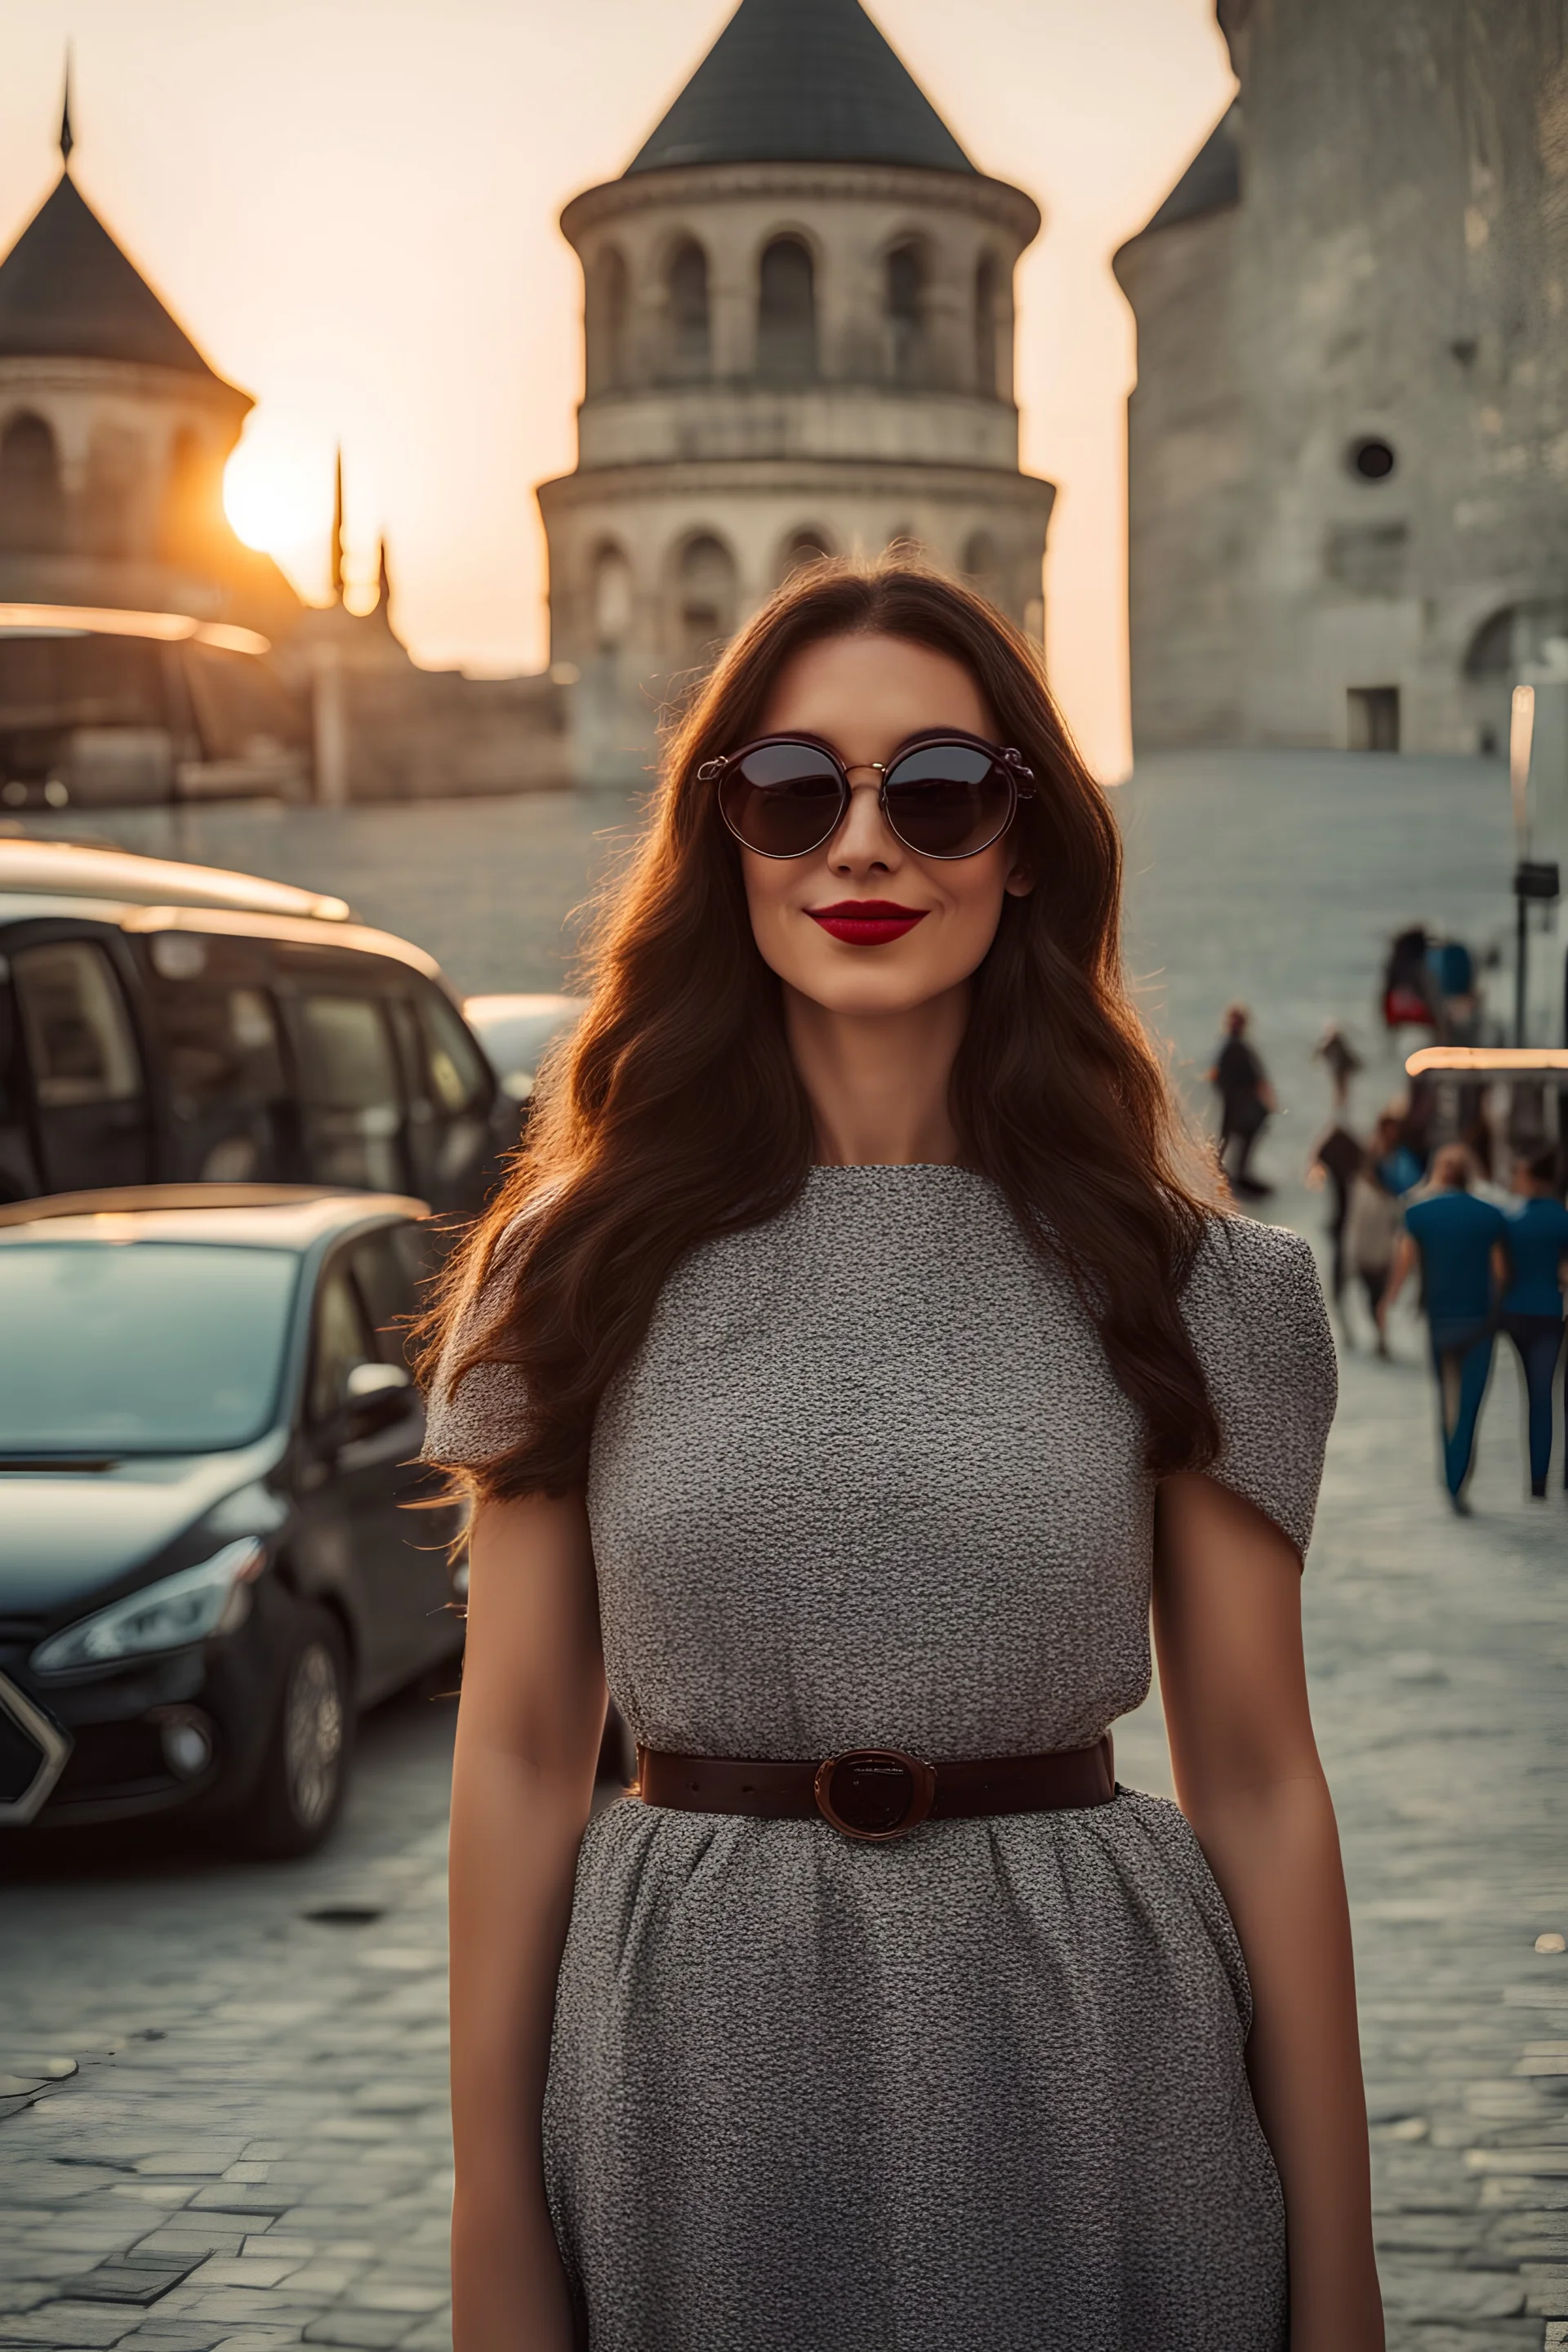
(676, 1111)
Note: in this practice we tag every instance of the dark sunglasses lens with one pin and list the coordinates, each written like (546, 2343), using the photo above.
(783, 799)
(948, 800)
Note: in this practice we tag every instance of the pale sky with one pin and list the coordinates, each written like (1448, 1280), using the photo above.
(351, 205)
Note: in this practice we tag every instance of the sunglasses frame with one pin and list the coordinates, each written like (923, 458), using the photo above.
(1020, 778)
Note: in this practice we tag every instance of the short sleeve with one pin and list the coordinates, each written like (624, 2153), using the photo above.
(1254, 1306)
(473, 1422)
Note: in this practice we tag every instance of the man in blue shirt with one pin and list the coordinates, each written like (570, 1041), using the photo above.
(1459, 1239)
(1537, 1244)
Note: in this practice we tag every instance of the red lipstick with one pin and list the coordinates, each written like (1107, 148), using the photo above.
(866, 922)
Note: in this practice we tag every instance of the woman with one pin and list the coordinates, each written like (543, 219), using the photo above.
(849, 1356)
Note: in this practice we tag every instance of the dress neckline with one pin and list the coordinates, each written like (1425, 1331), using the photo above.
(820, 1168)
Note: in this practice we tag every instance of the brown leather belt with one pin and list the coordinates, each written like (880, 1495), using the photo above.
(878, 1793)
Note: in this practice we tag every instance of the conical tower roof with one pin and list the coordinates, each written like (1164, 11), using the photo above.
(67, 292)
(802, 81)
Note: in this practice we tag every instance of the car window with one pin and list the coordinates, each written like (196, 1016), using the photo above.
(227, 1081)
(341, 1341)
(350, 1091)
(388, 1269)
(460, 1075)
(77, 1028)
(347, 1052)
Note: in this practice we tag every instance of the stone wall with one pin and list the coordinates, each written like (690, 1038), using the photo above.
(1396, 272)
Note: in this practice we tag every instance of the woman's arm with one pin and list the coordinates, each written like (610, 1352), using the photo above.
(529, 1728)
(1227, 1624)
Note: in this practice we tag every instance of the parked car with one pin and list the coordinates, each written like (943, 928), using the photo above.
(165, 1023)
(207, 1434)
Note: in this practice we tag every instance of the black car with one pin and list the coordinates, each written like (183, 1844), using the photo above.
(208, 1432)
(167, 1024)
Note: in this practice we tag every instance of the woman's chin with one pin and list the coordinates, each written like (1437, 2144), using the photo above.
(870, 992)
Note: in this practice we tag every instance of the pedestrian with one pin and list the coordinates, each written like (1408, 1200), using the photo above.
(1460, 1242)
(848, 1360)
(1407, 983)
(1374, 1220)
(1537, 1244)
(1341, 1060)
(1337, 1160)
(1245, 1102)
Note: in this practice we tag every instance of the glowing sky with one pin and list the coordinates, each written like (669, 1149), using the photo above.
(351, 204)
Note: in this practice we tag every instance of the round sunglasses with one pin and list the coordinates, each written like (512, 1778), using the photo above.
(942, 795)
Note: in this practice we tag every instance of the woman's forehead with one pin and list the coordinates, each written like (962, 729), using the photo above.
(866, 695)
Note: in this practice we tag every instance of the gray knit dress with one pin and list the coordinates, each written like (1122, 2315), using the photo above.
(869, 1482)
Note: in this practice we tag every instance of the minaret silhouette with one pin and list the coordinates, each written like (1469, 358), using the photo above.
(67, 136)
(337, 529)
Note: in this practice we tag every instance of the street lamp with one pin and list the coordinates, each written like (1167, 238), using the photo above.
(1535, 880)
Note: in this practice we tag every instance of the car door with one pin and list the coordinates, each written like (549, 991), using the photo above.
(390, 1267)
(354, 1535)
(85, 1079)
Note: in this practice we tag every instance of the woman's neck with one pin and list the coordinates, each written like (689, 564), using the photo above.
(878, 1083)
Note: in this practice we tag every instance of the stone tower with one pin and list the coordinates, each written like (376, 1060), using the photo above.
(113, 435)
(1348, 447)
(798, 326)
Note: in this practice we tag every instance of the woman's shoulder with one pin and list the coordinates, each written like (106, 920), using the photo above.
(1254, 1294)
(1255, 1307)
(1238, 1259)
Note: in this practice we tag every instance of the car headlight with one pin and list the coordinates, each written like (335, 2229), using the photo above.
(178, 1609)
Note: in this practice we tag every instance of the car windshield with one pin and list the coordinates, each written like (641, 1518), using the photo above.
(140, 1347)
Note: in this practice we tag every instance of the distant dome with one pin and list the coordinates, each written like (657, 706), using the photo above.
(802, 81)
(67, 292)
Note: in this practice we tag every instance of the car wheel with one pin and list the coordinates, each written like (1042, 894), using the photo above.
(305, 1771)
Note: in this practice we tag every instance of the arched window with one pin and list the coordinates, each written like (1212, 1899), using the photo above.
(988, 320)
(611, 598)
(607, 307)
(705, 591)
(805, 546)
(686, 288)
(189, 491)
(906, 308)
(32, 504)
(787, 313)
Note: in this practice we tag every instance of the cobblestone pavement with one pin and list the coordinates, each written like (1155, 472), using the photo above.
(251, 2149)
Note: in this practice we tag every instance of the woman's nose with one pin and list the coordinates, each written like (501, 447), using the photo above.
(863, 839)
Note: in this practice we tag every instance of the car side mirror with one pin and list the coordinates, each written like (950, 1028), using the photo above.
(367, 1380)
(374, 1394)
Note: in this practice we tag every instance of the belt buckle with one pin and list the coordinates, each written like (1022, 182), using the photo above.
(922, 1778)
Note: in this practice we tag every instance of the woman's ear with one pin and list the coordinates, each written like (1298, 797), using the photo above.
(1020, 879)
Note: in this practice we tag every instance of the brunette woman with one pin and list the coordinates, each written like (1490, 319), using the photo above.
(847, 1362)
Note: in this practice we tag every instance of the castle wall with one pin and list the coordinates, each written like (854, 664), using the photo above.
(1396, 271)
(1189, 463)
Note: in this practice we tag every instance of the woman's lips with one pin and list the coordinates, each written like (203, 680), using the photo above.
(866, 922)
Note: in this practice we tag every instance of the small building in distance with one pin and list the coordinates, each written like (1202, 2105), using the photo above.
(146, 653)
(1348, 446)
(798, 341)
